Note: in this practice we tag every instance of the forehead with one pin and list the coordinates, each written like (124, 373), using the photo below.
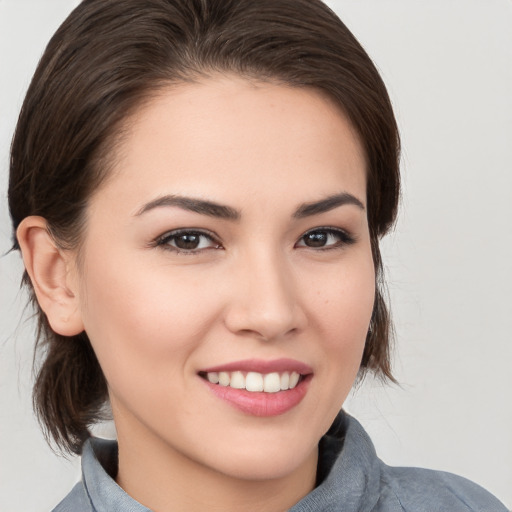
(227, 138)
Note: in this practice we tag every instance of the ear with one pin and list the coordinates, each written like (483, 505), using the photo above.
(53, 276)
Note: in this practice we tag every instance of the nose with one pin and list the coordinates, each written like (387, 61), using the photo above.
(265, 302)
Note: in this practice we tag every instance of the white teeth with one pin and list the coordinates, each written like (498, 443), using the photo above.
(294, 379)
(213, 377)
(224, 378)
(237, 380)
(272, 383)
(254, 381)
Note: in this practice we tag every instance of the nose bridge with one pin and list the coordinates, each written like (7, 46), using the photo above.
(266, 301)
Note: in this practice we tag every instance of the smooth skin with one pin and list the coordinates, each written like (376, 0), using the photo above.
(255, 281)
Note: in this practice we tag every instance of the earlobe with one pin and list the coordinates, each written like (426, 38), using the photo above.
(49, 269)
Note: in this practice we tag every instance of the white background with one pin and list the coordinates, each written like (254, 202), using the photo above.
(448, 66)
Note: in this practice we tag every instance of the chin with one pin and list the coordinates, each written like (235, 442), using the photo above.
(270, 461)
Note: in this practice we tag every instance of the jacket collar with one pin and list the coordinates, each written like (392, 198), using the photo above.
(349, 473)
(353, 478)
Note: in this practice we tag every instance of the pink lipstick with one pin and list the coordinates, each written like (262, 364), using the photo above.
(259, 387)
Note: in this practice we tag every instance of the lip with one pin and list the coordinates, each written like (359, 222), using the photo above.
(262, 366)
(261, 404)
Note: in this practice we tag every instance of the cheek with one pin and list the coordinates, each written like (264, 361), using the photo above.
(145, 319)
(343, 301)
(343, 306)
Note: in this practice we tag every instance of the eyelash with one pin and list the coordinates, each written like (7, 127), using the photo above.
(164, 241)
(344, 239)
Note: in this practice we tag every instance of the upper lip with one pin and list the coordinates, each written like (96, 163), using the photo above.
(262, 366)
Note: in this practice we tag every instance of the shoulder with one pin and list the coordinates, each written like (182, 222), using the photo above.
(356, 479)
(75, 501)
(418, 490)
(98, 490)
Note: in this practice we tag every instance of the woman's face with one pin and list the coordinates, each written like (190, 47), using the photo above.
(230, 243)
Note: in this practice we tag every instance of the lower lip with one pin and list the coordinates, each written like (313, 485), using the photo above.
(262, 404)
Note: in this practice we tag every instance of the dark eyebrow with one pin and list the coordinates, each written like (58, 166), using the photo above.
(324, 205)
(194, 205)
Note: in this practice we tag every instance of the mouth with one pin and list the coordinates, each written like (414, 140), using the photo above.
(259, 388)
(255, 382)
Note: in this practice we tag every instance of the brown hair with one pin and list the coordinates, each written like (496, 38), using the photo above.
(108, 57)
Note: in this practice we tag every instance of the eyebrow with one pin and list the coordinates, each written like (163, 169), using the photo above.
(194, 205)
(212, 209)
(327, 204)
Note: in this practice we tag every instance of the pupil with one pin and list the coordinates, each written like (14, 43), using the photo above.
(187, 241)
(316, 239)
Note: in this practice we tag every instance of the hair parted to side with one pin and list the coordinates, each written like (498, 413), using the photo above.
(110, 56)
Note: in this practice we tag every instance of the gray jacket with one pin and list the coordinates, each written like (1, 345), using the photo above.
(351, 478)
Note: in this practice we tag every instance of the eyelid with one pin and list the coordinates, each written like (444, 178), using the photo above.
(346, 238)
(162, 240)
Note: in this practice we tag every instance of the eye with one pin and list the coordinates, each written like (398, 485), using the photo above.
(325, 238)
(187, 241)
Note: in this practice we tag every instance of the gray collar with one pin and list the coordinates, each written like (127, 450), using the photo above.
(349, 473)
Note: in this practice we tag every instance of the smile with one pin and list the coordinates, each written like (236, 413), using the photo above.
(254, 381)
(260, 388)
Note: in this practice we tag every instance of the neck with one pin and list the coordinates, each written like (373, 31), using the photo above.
(163, 479)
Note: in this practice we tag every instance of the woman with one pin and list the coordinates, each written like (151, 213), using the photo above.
(198, 190)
